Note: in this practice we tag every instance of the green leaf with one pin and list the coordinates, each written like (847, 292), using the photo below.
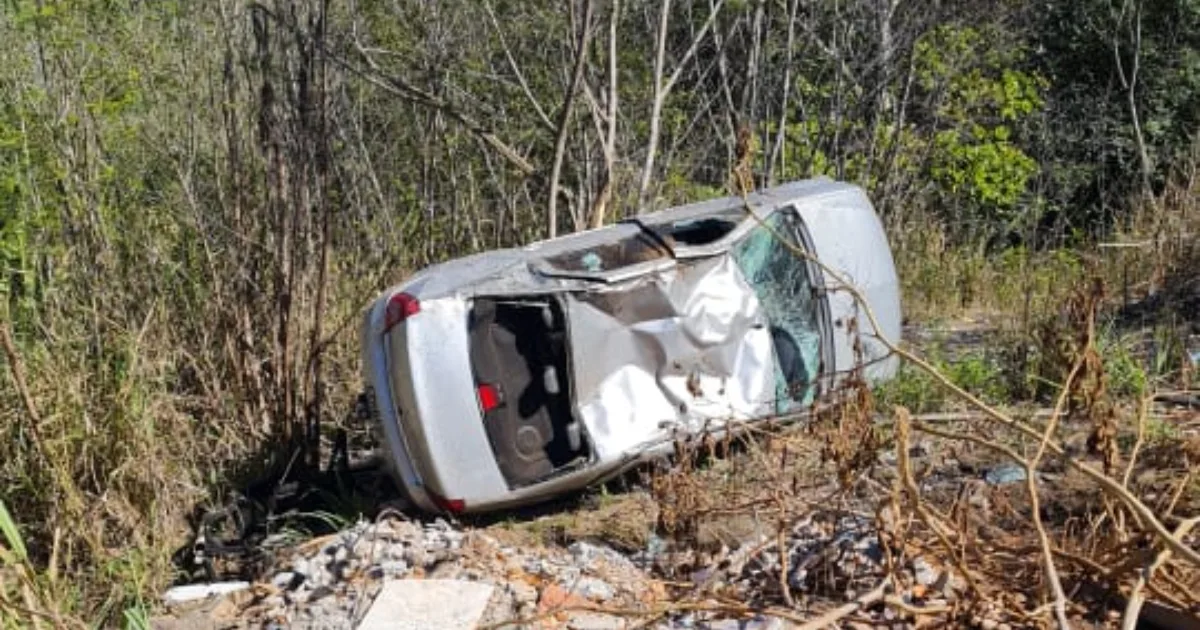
(136, 618)
(12, 537)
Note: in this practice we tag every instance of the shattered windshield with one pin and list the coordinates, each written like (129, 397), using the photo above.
(781, 281)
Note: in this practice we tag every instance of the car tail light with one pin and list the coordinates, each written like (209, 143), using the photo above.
(453, 506)
(489, 397)
(400, 307)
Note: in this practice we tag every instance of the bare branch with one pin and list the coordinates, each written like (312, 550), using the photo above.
(564, 115)
(663, 90)
(512, 64)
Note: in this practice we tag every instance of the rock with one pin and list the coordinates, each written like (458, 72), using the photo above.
(418, 557)
(594, 621)
(501, 608)
(1004, 474)
(587, 554)
(534, 566)
(757, 623)
(923, 572)
(594, 589)
(523, 592)
(300, 565)
(319, 593)
(555, 597)
(288, 580)
(427, 604)
(394, 568)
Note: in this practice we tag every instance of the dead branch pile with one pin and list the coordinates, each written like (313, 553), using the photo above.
(1076, 516)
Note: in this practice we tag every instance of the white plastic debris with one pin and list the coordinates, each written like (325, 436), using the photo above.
(193, 592)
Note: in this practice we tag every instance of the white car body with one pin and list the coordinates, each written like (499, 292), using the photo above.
(512, 376)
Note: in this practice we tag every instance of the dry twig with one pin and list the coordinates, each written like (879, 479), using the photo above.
(1137, 596)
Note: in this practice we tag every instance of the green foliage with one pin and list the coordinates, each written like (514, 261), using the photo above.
(983, 166)
(1126, 376)
(981, 100)
(979, 374)
(1089, 51)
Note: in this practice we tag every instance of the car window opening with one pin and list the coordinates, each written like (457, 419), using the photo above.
(628, 251)
(697, 231)
(519, 352)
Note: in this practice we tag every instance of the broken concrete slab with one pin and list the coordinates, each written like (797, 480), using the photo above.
(427, 605)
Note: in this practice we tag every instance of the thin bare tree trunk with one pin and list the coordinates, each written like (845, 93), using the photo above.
(663, 90)
(776, 153)
(564, 116)
(610, 138)
(1129, 81)
(732, 114)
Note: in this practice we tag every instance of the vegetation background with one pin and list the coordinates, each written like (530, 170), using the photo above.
(196, 199)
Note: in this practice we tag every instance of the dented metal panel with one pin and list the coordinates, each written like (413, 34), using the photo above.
(679, 351)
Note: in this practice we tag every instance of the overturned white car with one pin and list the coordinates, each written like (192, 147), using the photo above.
(512, 376)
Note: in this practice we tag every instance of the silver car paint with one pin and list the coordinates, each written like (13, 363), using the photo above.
(701, 357)
(438, 442)
(849, 238)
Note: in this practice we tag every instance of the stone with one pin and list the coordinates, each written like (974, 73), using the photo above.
(594, 621)
(288, 580)
(594, 589)
(394, 568)
(427, 605)
(586, 553)
(300, 565)
(319, 592)
(523, 592)
(555, 597)
(756, 623)
(923, 572)
(1004, 474)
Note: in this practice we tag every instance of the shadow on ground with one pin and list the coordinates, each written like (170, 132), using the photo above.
(277, 500)
(279, 497)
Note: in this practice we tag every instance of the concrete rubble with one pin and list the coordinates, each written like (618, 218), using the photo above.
(397, 573)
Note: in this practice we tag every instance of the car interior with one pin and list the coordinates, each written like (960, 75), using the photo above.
(519, 355)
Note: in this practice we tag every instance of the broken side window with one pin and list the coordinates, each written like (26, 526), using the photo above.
(699, 231)
(781, 281)
(627, 251)
(695, 231)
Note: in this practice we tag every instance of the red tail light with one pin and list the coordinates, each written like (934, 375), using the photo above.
(399, 308)
(489, 397)
(453, 506)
